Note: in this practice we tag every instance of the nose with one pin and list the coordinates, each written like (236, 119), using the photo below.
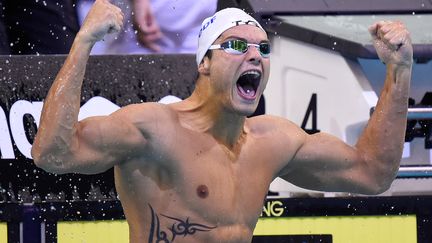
(253, 55)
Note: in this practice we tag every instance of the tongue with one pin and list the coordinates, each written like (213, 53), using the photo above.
(247, 91)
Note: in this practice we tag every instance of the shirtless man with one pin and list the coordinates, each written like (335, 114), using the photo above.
(198, 170)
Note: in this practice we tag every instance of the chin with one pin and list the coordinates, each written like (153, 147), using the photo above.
(246, 109)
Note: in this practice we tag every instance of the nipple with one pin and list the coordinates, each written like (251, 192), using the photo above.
(202, 191)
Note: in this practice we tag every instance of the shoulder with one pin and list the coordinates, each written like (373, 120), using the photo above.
(268, 124)
(280, 138)
(145, 112)
(150, 117)
(282, 134)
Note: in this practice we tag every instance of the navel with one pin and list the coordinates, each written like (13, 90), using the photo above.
(202, 191)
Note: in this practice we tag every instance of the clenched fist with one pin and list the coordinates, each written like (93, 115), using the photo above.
(392, 42)
(103, 18)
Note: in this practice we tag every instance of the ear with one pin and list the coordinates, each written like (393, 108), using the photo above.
(204, 66)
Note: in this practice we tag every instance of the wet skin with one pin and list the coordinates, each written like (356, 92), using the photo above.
(188, 173)
(201, 180)
(197, 170)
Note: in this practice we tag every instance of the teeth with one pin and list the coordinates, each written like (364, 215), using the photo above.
(256, 73)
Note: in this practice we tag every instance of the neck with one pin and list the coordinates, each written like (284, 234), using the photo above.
(208, 114)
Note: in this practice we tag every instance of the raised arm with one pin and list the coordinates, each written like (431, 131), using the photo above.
(323, 162)
(63, 144)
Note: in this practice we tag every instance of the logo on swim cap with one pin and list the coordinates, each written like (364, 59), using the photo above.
(251, 22)
(206, 25)
(215, 25)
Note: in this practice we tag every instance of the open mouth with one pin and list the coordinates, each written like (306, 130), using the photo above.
(247, 84)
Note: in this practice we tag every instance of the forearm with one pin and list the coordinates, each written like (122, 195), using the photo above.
(382, 141)
(62, 144)
(62, 104)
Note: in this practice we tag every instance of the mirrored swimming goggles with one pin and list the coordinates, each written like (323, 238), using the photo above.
(238, 47)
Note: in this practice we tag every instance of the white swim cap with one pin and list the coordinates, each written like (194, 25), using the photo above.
(212, 27)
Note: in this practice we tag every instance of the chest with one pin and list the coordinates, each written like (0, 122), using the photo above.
(217, 182)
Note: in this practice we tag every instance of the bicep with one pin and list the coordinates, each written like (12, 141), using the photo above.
(324, 162)
(99, 143)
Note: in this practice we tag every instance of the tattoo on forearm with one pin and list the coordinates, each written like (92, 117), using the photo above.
(179, 227)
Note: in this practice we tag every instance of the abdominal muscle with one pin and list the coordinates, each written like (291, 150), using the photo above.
(180, 222)
(225, 234)
(158, 212)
